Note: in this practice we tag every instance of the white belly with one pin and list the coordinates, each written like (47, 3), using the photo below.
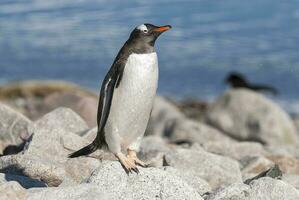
(132, 101)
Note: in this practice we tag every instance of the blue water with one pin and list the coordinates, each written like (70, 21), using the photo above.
(77, 40)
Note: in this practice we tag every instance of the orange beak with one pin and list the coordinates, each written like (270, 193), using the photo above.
(162, 28)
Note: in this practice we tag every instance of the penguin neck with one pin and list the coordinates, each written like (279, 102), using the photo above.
(140, 47)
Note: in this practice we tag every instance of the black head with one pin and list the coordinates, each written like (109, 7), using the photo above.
(147, 34)
(236, 80)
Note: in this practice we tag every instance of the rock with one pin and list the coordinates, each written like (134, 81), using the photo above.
(28, 96)
(150, 183)
(253, 165)
(216, 170)
(13, 127)
(288, 164)
(235, 191)
(184, 129)
(152, 150)
(162, 117)
(283, 150)
(236, 150)
(292, 179)
(246, 115)
(45, 155)
(12, 190)
(25, 182)
(78, 192)
(199, 184)
(85, 106)
(268, 188)
(261, 189)
(59, 129)
(272, 172)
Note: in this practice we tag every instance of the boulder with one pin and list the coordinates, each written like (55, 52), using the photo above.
(183, 129)
(246, 115)
(236, 150)
(150, 183)
(292, 179)
(85, 106)
(162, 117)
(13, 127)
(78, 192)
(12, 190)
(287, 164)
(253, 165)
(45, 155)
(216, 170)
(261, 189)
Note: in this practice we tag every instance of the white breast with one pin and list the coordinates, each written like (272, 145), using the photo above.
(133, 99)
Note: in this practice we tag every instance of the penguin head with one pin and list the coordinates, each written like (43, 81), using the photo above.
(148, 33)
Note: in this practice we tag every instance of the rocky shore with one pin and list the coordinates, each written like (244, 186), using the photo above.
(243, 146)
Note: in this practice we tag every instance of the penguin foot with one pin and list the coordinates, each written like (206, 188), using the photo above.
(133, 156)
(127, 163)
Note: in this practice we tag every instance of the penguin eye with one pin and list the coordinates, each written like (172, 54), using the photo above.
(145, 31)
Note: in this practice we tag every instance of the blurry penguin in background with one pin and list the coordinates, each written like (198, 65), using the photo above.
(237, 80)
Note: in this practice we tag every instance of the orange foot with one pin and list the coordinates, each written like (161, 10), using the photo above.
(127, 163)
(133, 156)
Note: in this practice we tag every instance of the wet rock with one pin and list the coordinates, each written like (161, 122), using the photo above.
(216, 170)
(246, 115)
(25, 182)
(13, 128)
(150, 183)
(236, 150)
(12, 190)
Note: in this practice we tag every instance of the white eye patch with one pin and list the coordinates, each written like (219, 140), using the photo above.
(143, 28)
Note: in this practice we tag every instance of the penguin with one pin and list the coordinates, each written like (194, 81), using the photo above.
(126, 98)
(237, 80)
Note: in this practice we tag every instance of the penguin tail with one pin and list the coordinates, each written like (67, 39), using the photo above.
(85, 150)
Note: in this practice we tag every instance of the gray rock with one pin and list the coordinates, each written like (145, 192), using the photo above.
(253, 165)
(236, 150)
(12, 190)
(236, 191)
(216, 170)
(246, 115)
(261, 189)
(13, 127)
(184, 129)
(25, 182)
(150, 183)
(83, 104)
(199, 184)
(292, 179)
(45, 155)
(268, 188)
(78, 192)
(162, 117)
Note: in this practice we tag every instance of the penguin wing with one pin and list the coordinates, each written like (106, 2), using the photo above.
(110, 82)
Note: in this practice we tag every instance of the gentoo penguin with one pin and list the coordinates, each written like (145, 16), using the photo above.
(237, 80)
(127, 96)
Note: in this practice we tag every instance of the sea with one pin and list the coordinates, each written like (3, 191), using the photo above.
(77, 40)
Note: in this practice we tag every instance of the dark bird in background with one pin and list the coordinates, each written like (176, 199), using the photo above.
(237, 80)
